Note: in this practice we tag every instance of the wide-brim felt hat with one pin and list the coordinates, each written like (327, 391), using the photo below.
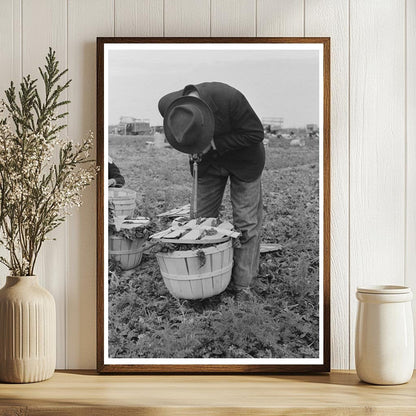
(189, 124)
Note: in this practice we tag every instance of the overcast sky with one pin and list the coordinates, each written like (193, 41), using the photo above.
(277, 83)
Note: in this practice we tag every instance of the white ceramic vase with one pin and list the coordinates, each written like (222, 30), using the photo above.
(384, 352)
(27, 331)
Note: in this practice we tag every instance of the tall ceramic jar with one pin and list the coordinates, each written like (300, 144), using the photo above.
(384, 352)
(27, 331)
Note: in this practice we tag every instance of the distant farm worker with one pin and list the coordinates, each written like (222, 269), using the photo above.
(215, 120)
(115, 178)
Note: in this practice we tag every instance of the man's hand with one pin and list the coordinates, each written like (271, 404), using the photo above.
(111, 183)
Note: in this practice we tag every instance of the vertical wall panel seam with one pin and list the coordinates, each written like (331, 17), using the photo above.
(304, 18)
(405, 145)
(255, 21)
(349, 184)
(210, 18)
(17, 41)
(21, 40)
(163, 18)
(12, 63)
(66, 222)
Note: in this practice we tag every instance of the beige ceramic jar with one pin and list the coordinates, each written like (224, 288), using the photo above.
(27, 331)
(384, 352)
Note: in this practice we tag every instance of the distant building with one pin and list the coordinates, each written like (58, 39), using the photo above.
(117, 129)
(112, 129)
(312, 130)
(272, 124)
(132, 126)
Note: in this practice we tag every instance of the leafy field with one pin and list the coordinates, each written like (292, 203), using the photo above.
(146, 321)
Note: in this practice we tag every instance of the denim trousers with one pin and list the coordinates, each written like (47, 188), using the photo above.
(247, 205)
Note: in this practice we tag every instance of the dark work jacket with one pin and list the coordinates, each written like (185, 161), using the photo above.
(238, 134)
(114, 173)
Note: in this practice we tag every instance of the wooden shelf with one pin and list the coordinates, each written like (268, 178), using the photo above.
(86, 393)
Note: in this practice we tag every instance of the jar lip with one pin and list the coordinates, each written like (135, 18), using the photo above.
(384, 289)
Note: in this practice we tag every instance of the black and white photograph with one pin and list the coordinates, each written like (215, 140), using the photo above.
(213, 187)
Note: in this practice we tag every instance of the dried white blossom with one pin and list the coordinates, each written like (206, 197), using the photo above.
(42, 176)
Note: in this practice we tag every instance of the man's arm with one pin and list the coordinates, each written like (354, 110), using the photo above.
(114, 173)
(246, 127)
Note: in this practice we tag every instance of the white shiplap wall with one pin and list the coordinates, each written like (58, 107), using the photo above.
(373, 132)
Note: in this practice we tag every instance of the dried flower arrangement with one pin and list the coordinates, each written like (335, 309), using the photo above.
(42, 175)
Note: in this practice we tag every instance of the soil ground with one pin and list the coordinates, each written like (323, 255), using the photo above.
(281, 322)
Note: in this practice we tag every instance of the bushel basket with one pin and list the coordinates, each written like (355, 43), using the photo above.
(186, 279)
(124, 201)
(128, 252)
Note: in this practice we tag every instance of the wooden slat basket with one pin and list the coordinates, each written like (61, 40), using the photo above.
(186, 279)
(124, 201)
(128, 252)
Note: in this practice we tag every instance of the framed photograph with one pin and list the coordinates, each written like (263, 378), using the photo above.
(213, 217)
